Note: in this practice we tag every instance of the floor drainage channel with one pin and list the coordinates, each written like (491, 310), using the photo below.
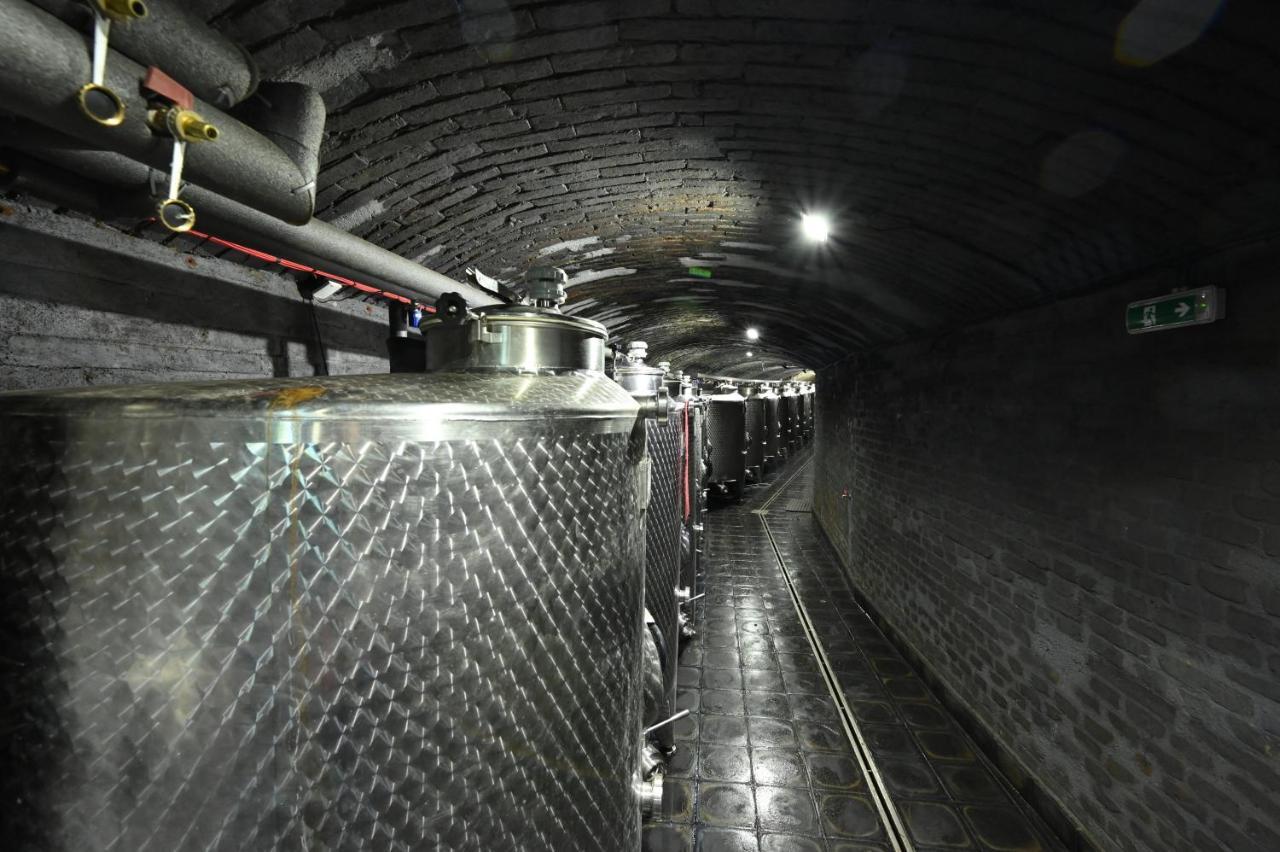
(889, 816)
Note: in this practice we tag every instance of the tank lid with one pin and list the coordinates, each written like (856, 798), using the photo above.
(727, 392)
(520, 338)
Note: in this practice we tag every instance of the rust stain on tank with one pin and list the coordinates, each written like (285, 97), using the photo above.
(293, 397)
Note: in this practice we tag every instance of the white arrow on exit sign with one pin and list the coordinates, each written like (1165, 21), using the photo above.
(1182, 309)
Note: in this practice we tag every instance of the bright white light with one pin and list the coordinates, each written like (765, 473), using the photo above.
(753, 334)
(749, 354)
(816, 228)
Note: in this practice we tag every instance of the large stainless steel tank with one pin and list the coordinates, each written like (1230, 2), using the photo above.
(662, 441)
(790, 413)
(773, 449)
(727, 433)
(754, 412)
(374, 612)
(809, 414)
(691, 412)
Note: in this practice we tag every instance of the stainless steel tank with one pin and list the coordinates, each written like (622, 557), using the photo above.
(691, 411)
(370, 612)
(754, 413)
(810, 414)
(773, 449)
(662, 442)
(727, 434)
(790, 413)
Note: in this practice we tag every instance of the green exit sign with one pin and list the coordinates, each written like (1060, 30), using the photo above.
(1191, 307)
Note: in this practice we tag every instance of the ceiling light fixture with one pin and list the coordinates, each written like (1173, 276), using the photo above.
(816, 228)
(753, 334)
(749, 354)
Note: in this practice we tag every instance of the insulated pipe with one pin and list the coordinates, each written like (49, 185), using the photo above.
(111, 187)
(291, 116)
(181, 45)
(45, 64)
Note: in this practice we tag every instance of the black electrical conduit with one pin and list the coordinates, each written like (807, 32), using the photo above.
(109, 186)
(45, 62)
(214, 68)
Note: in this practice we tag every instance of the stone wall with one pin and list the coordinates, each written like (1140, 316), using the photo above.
(84, 304)
(1078, 532)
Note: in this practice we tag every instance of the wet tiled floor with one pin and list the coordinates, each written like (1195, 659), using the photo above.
(763, 761)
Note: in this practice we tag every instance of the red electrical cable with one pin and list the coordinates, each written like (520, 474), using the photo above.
(301, 267)
(686, 460)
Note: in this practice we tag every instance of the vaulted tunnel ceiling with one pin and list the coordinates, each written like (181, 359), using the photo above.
(975, 157)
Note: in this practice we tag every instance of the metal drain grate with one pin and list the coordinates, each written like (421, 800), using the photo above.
(798, 505)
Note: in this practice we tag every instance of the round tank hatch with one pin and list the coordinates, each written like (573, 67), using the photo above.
(515, 338)
(646, 384)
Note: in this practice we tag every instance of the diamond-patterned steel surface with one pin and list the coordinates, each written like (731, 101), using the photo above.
(772, 431)
(216, 641)
(696, 440)
(755, 432)
(727, 432)
(662, 546)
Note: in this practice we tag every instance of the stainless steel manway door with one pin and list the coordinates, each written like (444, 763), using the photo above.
(375, 612)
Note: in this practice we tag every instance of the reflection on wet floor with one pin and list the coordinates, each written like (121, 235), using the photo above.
(764, 762)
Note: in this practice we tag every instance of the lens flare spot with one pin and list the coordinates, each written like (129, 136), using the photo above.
(1157, 29)
(1081, 163)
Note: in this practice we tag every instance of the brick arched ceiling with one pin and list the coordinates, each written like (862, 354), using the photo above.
(974, 156)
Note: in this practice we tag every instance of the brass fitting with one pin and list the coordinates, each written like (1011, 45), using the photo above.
(100, 105)
(176, 215)
(193, 128)
(182, 124)
(122, 10)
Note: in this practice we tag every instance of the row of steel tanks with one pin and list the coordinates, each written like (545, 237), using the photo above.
(753, 428)
(672, 441)
(426, 610)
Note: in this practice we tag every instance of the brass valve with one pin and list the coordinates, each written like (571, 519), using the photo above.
(122, 10)
(182, 124)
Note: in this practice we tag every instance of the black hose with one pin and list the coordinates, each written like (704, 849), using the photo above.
(320, 352)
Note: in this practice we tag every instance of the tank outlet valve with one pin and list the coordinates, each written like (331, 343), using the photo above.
(97, 102)
(650, 792)
(667, 721)
(685, 600)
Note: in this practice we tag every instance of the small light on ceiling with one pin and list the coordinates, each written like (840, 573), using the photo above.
(749, 354)
(753, 334)
(816, 227)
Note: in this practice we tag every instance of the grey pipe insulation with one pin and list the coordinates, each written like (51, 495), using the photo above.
(214, 68)
(45, 62)
(111, 186)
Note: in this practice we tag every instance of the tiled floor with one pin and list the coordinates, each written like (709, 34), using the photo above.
(763, 761)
